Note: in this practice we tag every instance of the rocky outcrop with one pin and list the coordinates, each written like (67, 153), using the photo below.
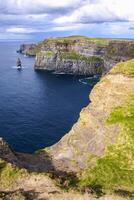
(28, 49)
(6, 152)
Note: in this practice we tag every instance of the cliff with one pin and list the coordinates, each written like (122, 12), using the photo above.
(28, 49)
(72, 55)
(98, 151)
(91, 135)
(102, 140)
(79, 54)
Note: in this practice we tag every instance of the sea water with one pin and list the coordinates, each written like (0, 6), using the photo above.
(36, 108)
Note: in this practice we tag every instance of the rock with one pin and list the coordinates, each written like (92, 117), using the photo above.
(15, 195)
(6, 153)
(28, 49)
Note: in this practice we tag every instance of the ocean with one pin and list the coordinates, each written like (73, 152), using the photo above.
(37, 108)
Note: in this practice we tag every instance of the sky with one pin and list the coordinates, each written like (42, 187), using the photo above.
(40, 19)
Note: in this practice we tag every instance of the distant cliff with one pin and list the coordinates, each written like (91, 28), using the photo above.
(28, 49)
(79, 54)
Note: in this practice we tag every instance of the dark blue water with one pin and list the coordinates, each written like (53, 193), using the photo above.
(36, 108)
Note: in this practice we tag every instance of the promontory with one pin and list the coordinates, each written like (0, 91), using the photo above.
(79, 55)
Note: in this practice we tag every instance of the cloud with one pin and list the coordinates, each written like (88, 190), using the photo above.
(20, 30)
(115, 17)
(100, 11)
(37, 6)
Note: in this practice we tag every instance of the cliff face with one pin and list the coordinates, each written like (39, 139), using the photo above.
(82, 55)
(71, 56)
(28, 49)
(91, 135)
(6, 152)
(78, 54)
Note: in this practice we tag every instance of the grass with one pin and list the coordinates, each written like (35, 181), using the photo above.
(72, 39)
(9, 174)
(72, 55)
(115, 170)
(48, 54)
(126, 68)
(76, 56)
(100, 41)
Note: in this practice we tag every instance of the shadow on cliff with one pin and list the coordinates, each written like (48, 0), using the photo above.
(18, 194)
(43, 163)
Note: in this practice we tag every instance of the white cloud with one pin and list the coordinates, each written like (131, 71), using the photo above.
(114, 17)
(20, 30)
(26, 30)
(100, 11)
(36, 6)
(67, 28)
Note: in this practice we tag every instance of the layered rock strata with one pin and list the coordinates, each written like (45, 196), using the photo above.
(79, 55)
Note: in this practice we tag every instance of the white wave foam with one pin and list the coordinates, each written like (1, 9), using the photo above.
(15, 67)
(81, 81)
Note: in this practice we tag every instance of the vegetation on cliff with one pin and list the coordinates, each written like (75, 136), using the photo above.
(47, 54)
(116, 168)
(126, 68)
(76, 56)
(73, 38)
(70, 39)
(9, 174)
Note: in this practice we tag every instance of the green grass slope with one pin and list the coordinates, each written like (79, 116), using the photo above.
(126, 68)
(9, 174)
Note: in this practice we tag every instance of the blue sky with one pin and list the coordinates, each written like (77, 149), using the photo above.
(39, 19)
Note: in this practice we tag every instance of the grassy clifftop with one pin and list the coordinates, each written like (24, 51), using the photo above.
(102, 41)
(99, 41)
(10, 174)
(126, 68)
